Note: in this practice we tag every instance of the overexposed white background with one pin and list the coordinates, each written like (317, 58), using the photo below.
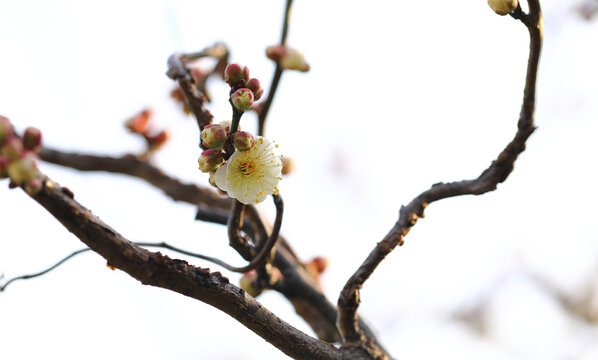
(401, 95)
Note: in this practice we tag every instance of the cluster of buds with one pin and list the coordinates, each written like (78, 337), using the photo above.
(245, 91)
(214, 137)
(140, 124)
(288, 58)
(18, 156)
(503, 7)
(250, 174)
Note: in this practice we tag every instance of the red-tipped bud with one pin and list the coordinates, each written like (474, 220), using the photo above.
(156, 141)
(242, 99)
(258, 95)
(32, 139)
(247, 282)
(243, 140)
(23, 169)
(276, 52)
(140, 123)
(235, 75)
(5, 129)
(12, 148)
(210, 160)
(320, 263)
(255, 87)
(214, 136)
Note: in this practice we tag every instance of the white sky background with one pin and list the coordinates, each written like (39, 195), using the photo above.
(401, 95)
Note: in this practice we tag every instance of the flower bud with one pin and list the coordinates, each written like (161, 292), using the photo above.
(5, 129)
(210, 160)
(235, 75)
(255, 87)
(288, 165)
(156, 141)
(227, 124)
(503, 7)
(23, 169)
(32, 139)
(320, 263)
(214, 136)
(247, 283)
(294, 60)
(242, 99)
(243, 140)
(276, 52)
(140, 122)
(12, 148)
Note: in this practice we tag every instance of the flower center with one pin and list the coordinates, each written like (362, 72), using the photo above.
(247, 168)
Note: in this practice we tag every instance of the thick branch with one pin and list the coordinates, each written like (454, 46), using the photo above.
(159, 270)
(498, 171)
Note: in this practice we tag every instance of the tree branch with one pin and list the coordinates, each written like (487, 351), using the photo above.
(159, 270)
(498, 171)
(131, 165)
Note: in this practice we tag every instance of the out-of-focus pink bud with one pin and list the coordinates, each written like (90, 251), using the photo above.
(32, 139)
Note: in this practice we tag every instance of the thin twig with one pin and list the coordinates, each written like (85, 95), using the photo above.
(266, 249)
(498, 171)
(265, 108)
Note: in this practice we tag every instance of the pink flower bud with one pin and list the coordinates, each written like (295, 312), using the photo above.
(242, 99)
(12, 148)
(32, 139)
(156, 141)
(23, 169)
(210, 160)
(276, 52)
(235, 75)
(243, 140)
(255, 87)
(5, 129)
(214, 136)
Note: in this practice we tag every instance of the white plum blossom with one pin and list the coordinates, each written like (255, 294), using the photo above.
(249, 176)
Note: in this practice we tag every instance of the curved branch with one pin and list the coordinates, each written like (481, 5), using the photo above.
(159, 270)
(498, 171)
